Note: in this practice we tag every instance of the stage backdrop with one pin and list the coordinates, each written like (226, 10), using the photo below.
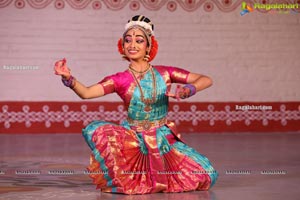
(251, 53)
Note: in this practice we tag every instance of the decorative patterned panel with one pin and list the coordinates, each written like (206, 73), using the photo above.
(71, 117)
(171, 5)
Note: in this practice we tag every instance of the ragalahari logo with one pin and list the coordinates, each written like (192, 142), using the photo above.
(281, 8)
(246, 8)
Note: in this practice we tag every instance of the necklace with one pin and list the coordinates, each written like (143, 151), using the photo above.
(141, 73)
(147, 102)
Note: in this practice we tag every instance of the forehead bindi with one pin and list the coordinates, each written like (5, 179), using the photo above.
(135, 32)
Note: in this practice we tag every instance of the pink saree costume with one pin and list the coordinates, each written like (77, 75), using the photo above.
(144, 154)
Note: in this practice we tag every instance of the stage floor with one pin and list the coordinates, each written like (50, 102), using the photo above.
(251, 166)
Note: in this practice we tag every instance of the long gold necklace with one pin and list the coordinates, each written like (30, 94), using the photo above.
(147, 102)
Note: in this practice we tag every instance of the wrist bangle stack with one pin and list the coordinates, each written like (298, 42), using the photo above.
(192, 89)
(69, 82)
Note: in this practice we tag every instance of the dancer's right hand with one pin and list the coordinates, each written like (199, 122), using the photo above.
(61, 68)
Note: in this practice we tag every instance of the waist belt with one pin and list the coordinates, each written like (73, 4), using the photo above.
(144, 125)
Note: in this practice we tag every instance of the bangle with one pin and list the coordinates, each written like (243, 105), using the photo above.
(192, 89)
(69, 82)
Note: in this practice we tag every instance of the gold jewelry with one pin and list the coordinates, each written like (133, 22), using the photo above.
(147, 56)
(144, 125)
(123, 54)
(141, 72)
(147, 102)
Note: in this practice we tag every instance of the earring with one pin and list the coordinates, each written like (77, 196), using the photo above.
(147, 57)
(123, 54)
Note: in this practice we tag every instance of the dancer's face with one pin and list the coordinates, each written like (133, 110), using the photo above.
(135, 44)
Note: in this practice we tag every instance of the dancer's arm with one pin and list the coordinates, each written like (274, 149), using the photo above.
(81, 90)
(90, 92)
(200, 81)
(194, 82)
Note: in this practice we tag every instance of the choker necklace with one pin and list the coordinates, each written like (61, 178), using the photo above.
(141, 72)
(147, 102)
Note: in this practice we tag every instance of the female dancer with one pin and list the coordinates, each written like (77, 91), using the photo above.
(143, 154)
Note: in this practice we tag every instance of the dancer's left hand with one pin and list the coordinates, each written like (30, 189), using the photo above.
(180, 93)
